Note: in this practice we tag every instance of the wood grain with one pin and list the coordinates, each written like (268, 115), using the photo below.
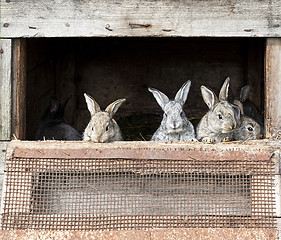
(272, 88)
(5, 88)
(56, 18)
(19, 88)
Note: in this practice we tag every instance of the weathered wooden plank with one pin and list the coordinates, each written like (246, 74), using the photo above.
(3, 146)
(19, 88)
(177, 154)
(272, 88)
(277, 184)
(56, 18)
(153, 234)
(140, 150)
(5, 88)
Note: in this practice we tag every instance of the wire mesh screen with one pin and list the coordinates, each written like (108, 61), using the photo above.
(122, 194)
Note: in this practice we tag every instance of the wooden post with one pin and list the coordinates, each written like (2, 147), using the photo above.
(5, 88)
(19, 88)
(273, 88)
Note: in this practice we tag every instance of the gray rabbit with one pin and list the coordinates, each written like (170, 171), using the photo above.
(52, 125)
(248, 128)
(102, 128)
(174, 125)
(249, 108)
(218, 123)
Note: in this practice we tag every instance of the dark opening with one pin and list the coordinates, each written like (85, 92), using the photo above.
(113, 68)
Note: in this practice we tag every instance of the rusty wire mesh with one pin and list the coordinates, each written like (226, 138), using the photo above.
(121, 194)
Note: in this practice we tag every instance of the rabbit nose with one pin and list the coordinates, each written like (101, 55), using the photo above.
(175, 125)
(229, 127)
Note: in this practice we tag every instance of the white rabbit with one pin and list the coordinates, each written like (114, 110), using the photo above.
(102, 127)
(174, 125)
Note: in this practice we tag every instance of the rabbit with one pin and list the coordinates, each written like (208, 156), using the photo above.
(221, 119)
(52, 125)
(174, 125)
(248, 128)
(249, 108)
(102, 128)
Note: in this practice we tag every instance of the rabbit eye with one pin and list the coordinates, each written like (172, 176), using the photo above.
(92, 128)
(107, 128)
(250, 129)
(220, 116)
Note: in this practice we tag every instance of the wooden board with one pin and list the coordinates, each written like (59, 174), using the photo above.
(153, 234)
(3, 146)
(5, 88)
(272, 88)
(2, 164)
(19, 88)
(56, 18)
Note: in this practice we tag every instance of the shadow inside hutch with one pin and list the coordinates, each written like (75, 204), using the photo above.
(113, 68)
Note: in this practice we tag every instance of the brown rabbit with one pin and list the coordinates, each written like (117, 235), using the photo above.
(102, 127)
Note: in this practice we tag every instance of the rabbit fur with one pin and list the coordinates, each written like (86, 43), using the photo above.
(248, 128)
(250, 109)
(218, 123)
(102, 128)
(175, 125)
(52, 125)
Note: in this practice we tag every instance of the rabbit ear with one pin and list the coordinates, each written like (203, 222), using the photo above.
(113, 107)
(240, 105)
(237, 112)
(209, 97)
(181, 95)
(92, 105)
(54, 105)
(160, 97)
(244, 93)
(224, 90)
(65, 101)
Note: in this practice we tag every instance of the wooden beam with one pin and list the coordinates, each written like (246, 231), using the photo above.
(190, 18)
(19, 88)
(3, 146)
(150, 234)
(5, 88)
(273, 88)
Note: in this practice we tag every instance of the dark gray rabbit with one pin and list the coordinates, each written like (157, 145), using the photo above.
(218, 123)
(247, 129)
(250, 109)
(174, 125)
(52, 125)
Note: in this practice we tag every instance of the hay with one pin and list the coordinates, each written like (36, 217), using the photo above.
(141, 126)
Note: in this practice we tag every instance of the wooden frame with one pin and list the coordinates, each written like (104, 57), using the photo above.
(191, 18)
(272, 88)
(5, 88)
(153, 234)
(12, 88)
(19, 88)
(47, 153)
